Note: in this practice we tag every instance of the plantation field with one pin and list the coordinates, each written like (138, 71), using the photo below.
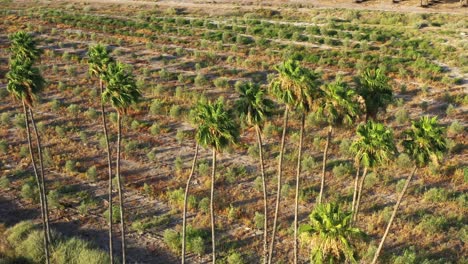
(182, 53)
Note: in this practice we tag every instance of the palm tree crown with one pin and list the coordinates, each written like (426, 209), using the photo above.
(375, 144)
(121, 90)
(295, 85)
(216, 128)
(24, 81)
(374, 87)
(340, 105)
(23, 46)
(252, 104)
(99, 59)
(329, 234)
(424, 141)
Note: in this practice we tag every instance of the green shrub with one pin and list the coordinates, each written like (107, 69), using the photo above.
(143, 225)
(176, 198)
(92, 113)
(203, 169)
(54, 199)
(180, 136)
(436, 195)
(17, 233)
(408, 257)
(70, 166)
(91, 173)
(172, 240)
(4, 182)
(204, 205)
(221, 83)
(455, 128)
(308, 163)
(342, 169)
(259, 220)
(5, 118)
(3, 146)
(451, 110)
(371, 180)
(93, 256)
(432, 224)
(178, 163)
(29, 191)
(115, 214)
(69, 251)
(156, 107)
(401, 116)
(200, 80)
(404, 161)
(24, 151)
(235, 258)
(32, 247)
(18, 121)
(175, 111)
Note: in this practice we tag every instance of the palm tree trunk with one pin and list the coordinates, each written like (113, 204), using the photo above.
(298, 174)
(120, 187)
(278, 191)
(324, 164)
(377, 253)
(356, 181)
(109, 167)
(38, 182)
(265, 197)
(41, 164)
(359, 194)
(184, 216)
(213, 237)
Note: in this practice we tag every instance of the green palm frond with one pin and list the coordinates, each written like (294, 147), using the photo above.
(216, 128)
(339, 104)
(374, 146)
(252, 105)
(24, 81)
(374, 87)
(121, 90)
(24, 47)
(424, 141)
(99, 59)
(330, 234)
(295, 86)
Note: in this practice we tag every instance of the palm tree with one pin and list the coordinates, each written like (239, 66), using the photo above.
(253, 109)
(217, 130)
(424, 143)
(24, 83)
(121, 92)
(98, 61)
(330, 234)
(294, 86)
(374, 87)
(373, 147)
(339, 106)
(24, 47)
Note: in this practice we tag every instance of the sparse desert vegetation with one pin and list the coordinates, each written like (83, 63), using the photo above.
(235, 132)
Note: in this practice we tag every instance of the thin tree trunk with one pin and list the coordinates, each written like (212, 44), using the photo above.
(213, 237)
(358, 202)
(184, 216)
(324, 164)
(298, 174)
(278, 192)
(38, 182)
(356, 181)
(109, 167)
(377, 253)
(41, 164)
(120, 188)
(265, 197)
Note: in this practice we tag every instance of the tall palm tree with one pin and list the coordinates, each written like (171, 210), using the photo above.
(374, 146)
(254, 108)
(121, 92)
(330, 234)
(295, 86)
(23, 46)
(217, 130)
(99, 59)
(24, 83)
(424, 142)
(339, 106)
(374, 87)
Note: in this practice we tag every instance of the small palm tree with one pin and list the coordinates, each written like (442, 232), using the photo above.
(24, 83)
(121, 92)
(424, 142)
(339, 106)
(374, 87)
(295, 87)
(99, 59)
(374, 146)
(217, 130)
(330, 234)
(253, 109)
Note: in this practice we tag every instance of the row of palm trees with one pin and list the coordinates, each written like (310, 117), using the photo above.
(299, 89)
